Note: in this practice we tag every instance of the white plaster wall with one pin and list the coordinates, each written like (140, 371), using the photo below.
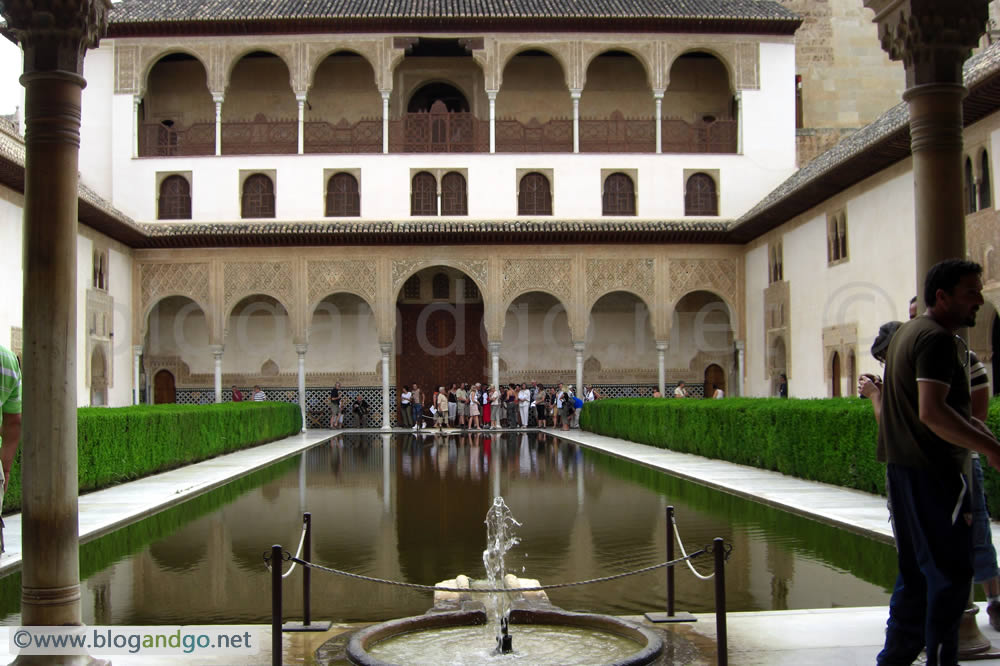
(343, 337)
(257, 332)
(621, 338)
(11, 239)
(756, 381)
(177, 327)
(537, 338)
(96, 126)
(872, 287)
(120, 288)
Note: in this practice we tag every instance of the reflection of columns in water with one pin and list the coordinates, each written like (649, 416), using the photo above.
(781, 566)
(300, 350)
(496, 452)
(386, 473)
(578, 464)
(386, 348)
(217, 356)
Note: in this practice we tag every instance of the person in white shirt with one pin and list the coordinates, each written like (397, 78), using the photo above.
(718, 393)
(680, 391)
(523, 404)
(404, 413)
(258, 394)
(588, 394)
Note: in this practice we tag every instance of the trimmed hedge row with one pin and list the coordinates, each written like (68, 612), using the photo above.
(831, 440)
(126, 443)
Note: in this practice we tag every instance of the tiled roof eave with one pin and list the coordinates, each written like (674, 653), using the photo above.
(352, 24)
(444, 232)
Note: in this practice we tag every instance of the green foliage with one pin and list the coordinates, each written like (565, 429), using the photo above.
(832, 440)
(126, 443)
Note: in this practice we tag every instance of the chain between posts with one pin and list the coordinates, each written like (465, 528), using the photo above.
(538, 588)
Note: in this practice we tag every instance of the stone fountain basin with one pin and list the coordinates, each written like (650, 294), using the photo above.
(649, 645)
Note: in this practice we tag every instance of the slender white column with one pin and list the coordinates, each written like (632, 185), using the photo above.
(386, 473)
(136, 359)
(739, 122)
(301, 100)
(217, 98)
(136, 101)
(385, 120)
(740, 354)
(217, 354)
(386, 351)
(658, 99)
(578, 348)
(661, 366)
(301, 351)
(495, 364)
(575, 96)
(492, 95)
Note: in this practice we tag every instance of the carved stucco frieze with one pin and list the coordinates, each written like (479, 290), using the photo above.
(477, 269)
(717, 275)
(606, 275)
(553, 275)
(273, 278)
(357, 276)
(54, 34)
(161, 280)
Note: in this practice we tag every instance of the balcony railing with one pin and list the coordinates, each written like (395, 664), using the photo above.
(680, 136)
(431, 132)
(159, 140)
(364, 136)
(554, 136)
(617, 134)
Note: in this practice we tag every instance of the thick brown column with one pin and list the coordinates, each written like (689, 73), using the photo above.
(54, 36)
(934, 38)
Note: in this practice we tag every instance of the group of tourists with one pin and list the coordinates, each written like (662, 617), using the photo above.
(358, 409)
(485, 406)
(257, 395)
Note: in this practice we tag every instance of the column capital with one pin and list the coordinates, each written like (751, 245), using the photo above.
(386, 348)
(218, 97)
(662, 345)
(658, 93)
(54, 35)
(385, 94)
(933, 38)
(137, 350)
(301, 97)
(492, 95)
(576, 93)
(494, 347)
(216, 350)
(301, 349)
(578, 347)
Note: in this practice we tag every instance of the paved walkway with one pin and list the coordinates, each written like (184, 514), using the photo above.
(802, 637)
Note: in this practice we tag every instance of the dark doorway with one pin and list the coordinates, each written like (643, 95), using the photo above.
(452, 98)
(164, 391)
(835, 375)
(995, 348)
(714, 376)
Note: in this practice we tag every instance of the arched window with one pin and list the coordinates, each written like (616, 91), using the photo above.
(699, 196)
(619, 195)
(423, 195)
(342, 197)
(440, 287)
(534, 196)
(175, 199)
(258, 196)
(411, 288)
(842, 235)
(970, 187)
(985, 184)
(454, 197)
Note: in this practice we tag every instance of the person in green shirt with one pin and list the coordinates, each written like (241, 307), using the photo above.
(10, 413)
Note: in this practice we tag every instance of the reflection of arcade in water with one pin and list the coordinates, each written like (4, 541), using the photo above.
(411, 508)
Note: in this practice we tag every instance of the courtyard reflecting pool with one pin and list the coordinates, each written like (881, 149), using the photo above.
(411, 508)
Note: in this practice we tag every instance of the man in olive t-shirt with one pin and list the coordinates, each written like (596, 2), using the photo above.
(925, 434)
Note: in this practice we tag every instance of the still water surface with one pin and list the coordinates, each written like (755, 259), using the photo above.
(411, 508)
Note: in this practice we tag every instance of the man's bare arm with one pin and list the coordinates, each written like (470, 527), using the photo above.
(10, 432)
(950, 426)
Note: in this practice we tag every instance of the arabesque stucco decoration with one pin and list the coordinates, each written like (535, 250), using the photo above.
(353, 275)
(161, 280)
(273, 278)
(477, 269)
(716, 275)
(553, 275)
(632, 275)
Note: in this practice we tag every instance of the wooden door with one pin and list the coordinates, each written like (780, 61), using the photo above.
(714, 375)
(163, 388)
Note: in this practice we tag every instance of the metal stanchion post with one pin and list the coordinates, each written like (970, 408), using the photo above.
(670, 616)
(307, 624)
(720, 601)
(276, 605)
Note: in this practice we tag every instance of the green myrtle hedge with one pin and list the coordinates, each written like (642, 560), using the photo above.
(125, 443)
(831, 440)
